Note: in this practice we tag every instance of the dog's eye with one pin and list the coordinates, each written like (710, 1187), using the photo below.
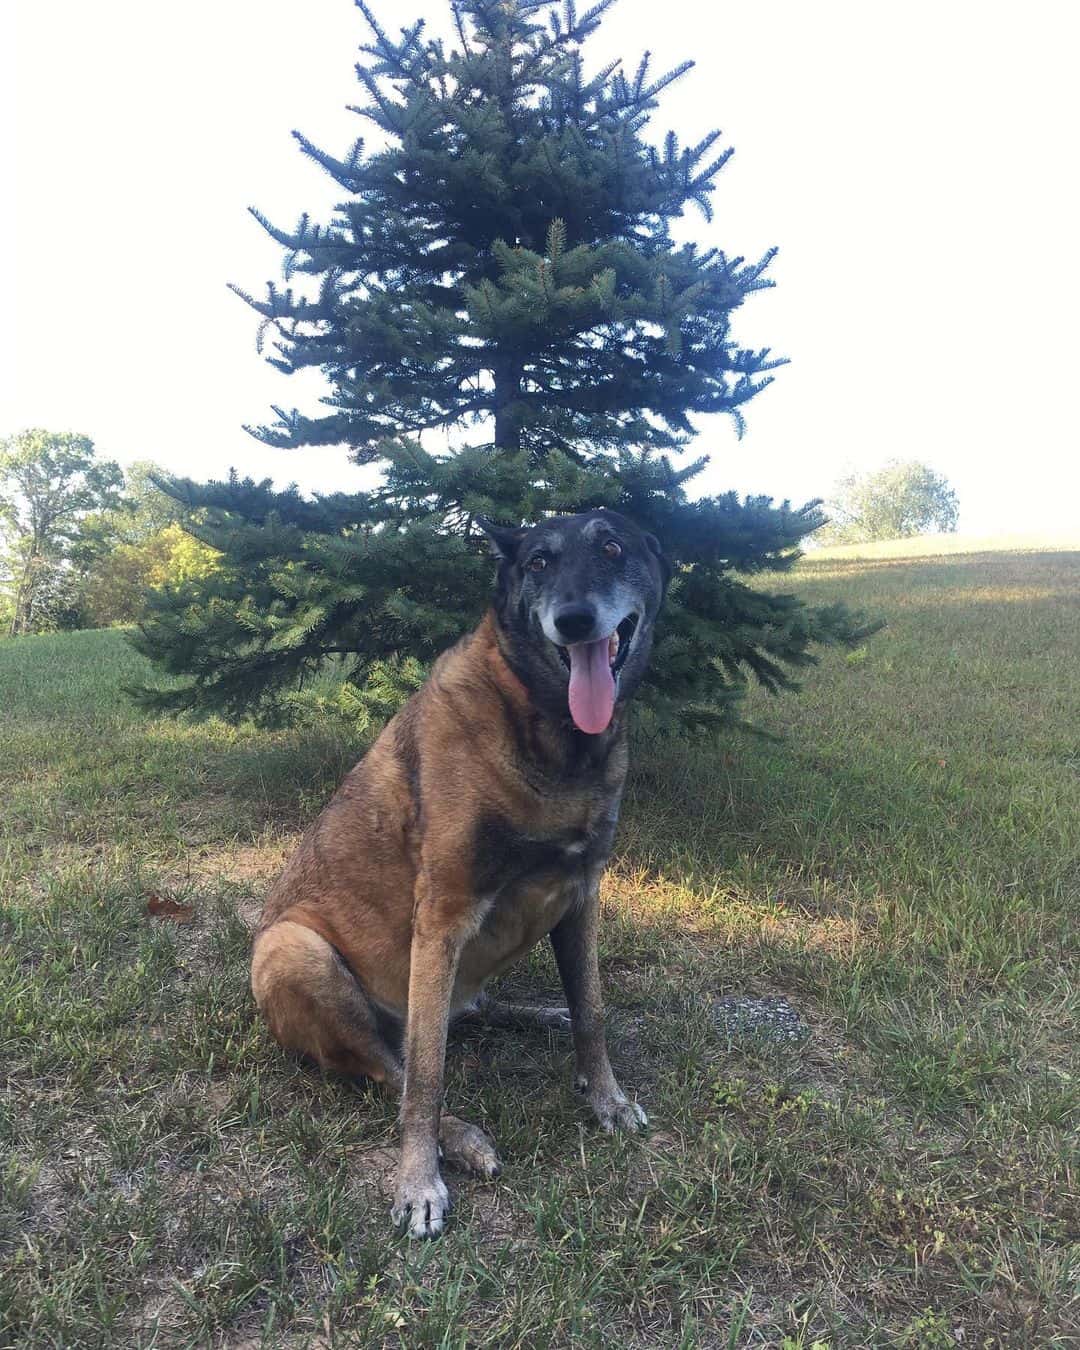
(612, 549)
(537, 563)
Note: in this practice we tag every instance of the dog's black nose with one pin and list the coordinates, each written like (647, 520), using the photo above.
(575, 622)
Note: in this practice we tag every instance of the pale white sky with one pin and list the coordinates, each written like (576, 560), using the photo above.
(914, 161)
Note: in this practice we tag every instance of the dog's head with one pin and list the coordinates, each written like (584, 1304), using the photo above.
(576, 599)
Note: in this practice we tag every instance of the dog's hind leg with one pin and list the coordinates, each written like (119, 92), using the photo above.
(496, 1012)
(314, 1004)
(467, 1147)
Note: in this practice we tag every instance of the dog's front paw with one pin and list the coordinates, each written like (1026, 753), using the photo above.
(421, 1206)
(613, 1109)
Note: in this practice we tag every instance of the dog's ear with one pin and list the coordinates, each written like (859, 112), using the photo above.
(504, 538)
(661, 557)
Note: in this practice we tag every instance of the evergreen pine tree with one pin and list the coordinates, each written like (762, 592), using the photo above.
(502, 268)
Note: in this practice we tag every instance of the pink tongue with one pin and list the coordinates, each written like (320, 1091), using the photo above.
(592, 686)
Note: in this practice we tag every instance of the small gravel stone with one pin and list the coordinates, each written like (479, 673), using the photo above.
(739, 1018)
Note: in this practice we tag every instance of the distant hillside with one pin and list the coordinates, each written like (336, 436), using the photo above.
(940, 545)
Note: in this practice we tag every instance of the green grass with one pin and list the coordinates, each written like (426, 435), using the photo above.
(902, 865)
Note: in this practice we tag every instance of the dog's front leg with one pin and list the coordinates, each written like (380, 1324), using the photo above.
(574, 939)
(421, 1200)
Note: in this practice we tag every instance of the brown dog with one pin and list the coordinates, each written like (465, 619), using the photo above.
(479, 822)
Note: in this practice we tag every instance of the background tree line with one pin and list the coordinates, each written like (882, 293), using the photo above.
(81, 540)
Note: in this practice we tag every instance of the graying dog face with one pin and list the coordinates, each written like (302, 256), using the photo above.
(571, 583)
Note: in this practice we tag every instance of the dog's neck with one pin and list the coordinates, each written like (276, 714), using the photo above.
(547, 734)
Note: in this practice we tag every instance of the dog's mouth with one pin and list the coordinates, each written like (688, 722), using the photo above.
(618, 645)
(594, 675)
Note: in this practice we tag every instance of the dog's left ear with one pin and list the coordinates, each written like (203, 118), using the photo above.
(504, 538)
(661, 557)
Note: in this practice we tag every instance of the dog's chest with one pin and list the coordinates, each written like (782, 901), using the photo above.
(508, 855)
(524, 882)
(512, 920)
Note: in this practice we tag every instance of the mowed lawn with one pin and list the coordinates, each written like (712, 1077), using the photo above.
(901, 863)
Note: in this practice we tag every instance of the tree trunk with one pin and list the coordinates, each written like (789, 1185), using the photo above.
(24, 598)
(507, 409)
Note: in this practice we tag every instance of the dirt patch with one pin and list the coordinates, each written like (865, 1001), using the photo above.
(249, 912)
(246, 867)
(374, 1167)
(493, 1210)
(256, 864)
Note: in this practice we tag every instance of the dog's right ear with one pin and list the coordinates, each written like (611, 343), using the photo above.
(504, 538)
(657, 549)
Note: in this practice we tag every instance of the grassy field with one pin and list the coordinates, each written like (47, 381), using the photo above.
(901, 864)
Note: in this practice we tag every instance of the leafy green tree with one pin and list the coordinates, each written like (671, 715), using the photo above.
(130, 546)
(143, 510)
(901, 499)
(508, 328)
(114, 590)
(49, 483)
